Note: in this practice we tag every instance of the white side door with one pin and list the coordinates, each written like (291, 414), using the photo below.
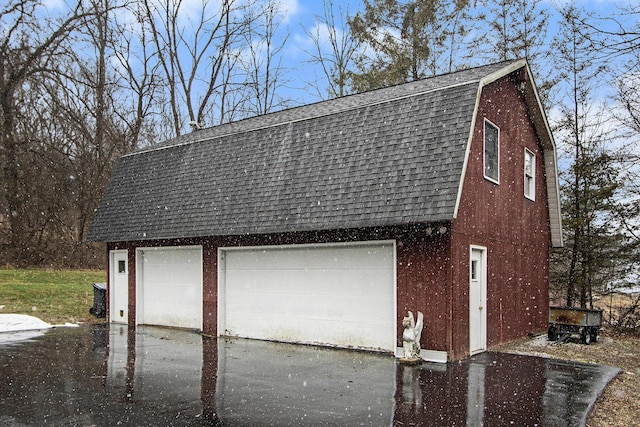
(118, 287)
(478, 300)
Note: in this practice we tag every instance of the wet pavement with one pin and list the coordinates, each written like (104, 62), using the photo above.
(107, 376)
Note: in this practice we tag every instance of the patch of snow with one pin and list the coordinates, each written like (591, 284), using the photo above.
(20, 327)
(21, 322)
(69, 325)
(539, 341)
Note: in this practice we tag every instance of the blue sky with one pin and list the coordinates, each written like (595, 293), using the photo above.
(298, 15)
(302, 14)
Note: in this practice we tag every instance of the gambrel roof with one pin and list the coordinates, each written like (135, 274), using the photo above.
(381, 158)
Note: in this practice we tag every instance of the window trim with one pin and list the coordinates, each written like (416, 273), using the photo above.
(495, 180)
(529, 190)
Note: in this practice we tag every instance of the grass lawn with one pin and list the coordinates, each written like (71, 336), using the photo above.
(55, 296)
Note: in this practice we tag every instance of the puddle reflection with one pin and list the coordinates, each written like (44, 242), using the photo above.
(154, 376)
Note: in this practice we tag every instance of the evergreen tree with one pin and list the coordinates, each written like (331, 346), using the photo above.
(592, 180)
(516, 29)
(402, 41)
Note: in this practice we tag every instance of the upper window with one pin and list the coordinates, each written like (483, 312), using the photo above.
(491, 152)
(529, 175)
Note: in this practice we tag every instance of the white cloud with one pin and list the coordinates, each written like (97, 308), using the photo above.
(289, 8)
(55, 5)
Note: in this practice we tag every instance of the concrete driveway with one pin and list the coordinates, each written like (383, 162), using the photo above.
(105, 376)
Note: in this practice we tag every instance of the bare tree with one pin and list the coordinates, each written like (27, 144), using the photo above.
(262, 63)
(101, 140)
(616, 38)
(84, 134)
(193, 47)
(336, 62)
(138, 78)
(30, 45)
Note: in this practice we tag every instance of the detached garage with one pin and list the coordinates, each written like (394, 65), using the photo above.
(325, 224)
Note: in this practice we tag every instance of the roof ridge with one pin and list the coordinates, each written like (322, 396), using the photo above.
(293, 120)
(264, 123)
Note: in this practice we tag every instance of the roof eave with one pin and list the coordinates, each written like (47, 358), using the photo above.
(543, 130)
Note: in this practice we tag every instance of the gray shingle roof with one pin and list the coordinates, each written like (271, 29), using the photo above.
(386, 157)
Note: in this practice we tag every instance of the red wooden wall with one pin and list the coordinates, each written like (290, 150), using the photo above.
(514, 229)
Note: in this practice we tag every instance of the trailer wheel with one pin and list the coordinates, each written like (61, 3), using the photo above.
(552, 335)
(594, 334)
(585, 336)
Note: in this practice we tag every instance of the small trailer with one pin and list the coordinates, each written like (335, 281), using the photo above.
(567, 321)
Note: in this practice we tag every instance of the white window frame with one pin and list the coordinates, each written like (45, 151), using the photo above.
(496, 178)
(529, 175)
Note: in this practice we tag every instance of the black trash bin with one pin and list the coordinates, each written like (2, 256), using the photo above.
(99, 308)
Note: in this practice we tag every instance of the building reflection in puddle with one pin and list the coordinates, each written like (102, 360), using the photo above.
(246, 382)
(156, 366)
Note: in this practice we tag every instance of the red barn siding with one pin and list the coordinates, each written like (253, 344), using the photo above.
(210, 289)
(514, 229)
(422, 277)
(131, 269)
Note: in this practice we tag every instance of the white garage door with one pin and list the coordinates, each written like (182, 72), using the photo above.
(169, 287)
(339, 295)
